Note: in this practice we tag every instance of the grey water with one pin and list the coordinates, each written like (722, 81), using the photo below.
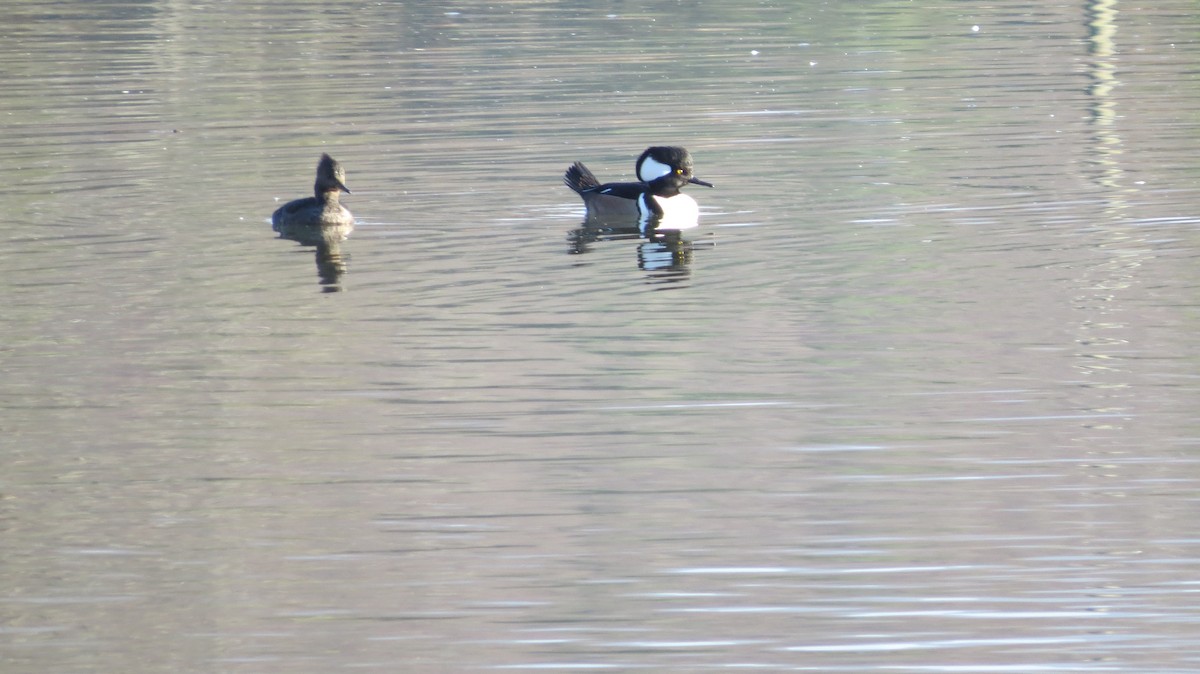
(920, 396)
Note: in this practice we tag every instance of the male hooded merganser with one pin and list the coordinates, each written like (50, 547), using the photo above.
(663, 172)
(321, 210)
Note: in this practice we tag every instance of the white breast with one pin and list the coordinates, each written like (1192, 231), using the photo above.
(679, 212)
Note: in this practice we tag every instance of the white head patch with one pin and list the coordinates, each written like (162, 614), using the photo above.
(652, 169)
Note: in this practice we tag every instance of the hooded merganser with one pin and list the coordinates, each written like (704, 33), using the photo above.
(321, 210)
(662, 172)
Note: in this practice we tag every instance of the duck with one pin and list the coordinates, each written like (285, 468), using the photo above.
(322, 209)
(656, 199)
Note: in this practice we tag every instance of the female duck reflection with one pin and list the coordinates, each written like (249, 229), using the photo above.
(320, 220)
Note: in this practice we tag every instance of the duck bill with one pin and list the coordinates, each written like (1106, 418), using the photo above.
(343, 188)
(697, 181)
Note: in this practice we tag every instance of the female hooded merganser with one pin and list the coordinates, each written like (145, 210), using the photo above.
(663, 172)
(321, 210)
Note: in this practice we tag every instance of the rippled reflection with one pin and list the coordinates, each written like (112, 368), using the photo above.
(1102, 26)
(666, 255)
(331, 262)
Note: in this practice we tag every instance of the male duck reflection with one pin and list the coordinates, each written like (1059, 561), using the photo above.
(320, 210)
(656, 199)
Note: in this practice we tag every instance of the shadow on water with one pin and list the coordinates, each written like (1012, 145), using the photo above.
(331, 262)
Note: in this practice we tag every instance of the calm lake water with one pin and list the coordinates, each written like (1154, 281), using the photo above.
(921, 396)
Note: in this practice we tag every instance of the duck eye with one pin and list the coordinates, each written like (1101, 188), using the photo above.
(679, 172)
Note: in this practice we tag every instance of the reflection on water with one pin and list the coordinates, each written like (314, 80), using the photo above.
(666, 255)
(927, 406)
(1103, 72)
(331, 263)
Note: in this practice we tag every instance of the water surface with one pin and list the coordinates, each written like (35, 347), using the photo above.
(920, 397)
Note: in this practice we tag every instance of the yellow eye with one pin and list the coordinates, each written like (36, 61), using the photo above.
(679, 172)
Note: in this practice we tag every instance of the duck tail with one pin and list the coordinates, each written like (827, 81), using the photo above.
(579, 178)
